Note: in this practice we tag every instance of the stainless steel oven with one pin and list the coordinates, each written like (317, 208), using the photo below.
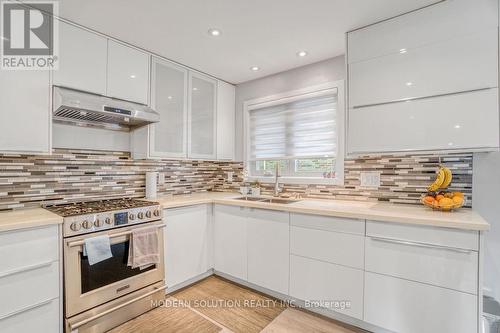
(87, 286)
(106, 294)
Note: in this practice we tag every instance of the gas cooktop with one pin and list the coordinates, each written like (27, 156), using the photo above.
(93, 207)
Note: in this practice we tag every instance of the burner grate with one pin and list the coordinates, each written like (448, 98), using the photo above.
(93, 207)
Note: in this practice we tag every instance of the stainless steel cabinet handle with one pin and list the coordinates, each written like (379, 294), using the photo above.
(418, 244)
(119, 234)
(27, 268)
(77, 325)
(27, 308)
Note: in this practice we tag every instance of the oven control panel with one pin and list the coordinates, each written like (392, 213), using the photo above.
(83, 224)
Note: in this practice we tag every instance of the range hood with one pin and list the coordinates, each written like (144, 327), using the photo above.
(85, 109)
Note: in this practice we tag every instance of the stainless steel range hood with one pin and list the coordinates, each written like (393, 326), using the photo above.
(84, 109)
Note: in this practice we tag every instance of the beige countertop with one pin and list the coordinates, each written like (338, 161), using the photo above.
(412, 214)
(27, 218)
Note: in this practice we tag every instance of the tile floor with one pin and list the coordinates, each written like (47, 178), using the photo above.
(217, 305)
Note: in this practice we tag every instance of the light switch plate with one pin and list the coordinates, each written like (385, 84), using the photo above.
(370, 179)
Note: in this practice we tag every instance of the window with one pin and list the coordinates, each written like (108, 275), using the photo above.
(301, 132)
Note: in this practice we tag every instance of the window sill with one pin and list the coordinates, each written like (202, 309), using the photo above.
(297, 180)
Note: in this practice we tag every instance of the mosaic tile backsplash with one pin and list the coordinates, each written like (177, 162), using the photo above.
(82, 175)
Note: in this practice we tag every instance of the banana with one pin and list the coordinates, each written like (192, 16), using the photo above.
(440, 178)
(447, 179)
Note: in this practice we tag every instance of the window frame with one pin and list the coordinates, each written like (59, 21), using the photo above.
(291, 96)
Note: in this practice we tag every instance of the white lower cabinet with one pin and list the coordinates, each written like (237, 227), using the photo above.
(30, 281)
(410, 307)
(186, 243)
(230, 240)
(321, 284)
(42, 318)
(268, 249)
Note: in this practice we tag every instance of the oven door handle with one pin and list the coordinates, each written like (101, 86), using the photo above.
(79, 324)
(119, 234)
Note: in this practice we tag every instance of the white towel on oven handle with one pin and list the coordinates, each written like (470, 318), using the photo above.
(97, 249)
(144, 248)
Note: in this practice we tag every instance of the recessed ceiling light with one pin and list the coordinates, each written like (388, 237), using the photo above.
(255, 68)
(195, 89)
(169, 97)
(214, 32)
(402, 51)
(132, 76)
(457, 126)
(409, 84)
(302, 53)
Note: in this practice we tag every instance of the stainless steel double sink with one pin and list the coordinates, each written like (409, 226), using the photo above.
(268, 200)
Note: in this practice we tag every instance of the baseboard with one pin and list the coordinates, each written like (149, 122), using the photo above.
(189, 282)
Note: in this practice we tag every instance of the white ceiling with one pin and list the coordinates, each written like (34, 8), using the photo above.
(264, 33)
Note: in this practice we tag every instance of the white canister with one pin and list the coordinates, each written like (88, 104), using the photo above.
(151, 185)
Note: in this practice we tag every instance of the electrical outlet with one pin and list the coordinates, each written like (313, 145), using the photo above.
(230, 176)
(161, 178)
(370, 179)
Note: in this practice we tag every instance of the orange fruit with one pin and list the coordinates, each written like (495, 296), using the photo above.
(446, 203)
(439, 197)
(429, 200)
(458, 194)
(448, 195)
(458, 200)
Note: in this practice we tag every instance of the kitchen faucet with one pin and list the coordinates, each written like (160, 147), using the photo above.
(277, 189)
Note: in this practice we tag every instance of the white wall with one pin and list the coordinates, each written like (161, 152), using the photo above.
(485, 197)
(324, 71)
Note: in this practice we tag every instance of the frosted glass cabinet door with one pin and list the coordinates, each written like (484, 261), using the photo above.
(202, 119)
(169, 99)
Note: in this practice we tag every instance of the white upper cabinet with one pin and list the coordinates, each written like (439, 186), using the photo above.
(128, 73)
(202, 117)
(426, 81)
(82, 60)
(24, 111)
(169, 98)
(461, 64)
(437, 23)
(225, 120)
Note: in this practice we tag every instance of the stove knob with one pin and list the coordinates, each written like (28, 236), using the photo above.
(107, 220)
(140, 215)
(148, 214)
(156, 212)
(98, 223)
(131, 216)
(75, 226)
(87, 224)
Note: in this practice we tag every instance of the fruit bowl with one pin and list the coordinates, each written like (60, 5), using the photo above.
(448, 202)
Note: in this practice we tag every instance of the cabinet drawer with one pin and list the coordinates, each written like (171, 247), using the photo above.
(410, 307)
(42, 318)
(24, 248)
(425, 124)
(339, 288)
(23, 289)
(427, 71)
(456, 238)
(328, 223)
(334, 247)
(445, 267)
